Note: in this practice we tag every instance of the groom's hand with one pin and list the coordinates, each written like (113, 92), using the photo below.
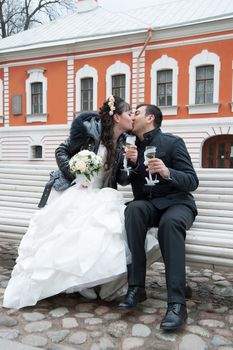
(156, 165)
(131, 153)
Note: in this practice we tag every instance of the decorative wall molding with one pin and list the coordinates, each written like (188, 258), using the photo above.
(6, 96)
(141, 85)
(70, 90)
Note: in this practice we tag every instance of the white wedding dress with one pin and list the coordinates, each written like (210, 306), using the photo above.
(73, 243)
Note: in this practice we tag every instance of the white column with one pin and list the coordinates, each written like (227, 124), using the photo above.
(70, 90)
(141, 86)
(6, 97)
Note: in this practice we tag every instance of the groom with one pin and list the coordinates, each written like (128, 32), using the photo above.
(167, 205)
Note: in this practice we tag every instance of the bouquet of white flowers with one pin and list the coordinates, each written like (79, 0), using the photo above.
(85, 162)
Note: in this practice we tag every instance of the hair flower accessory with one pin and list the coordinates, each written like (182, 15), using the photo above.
(111, 101)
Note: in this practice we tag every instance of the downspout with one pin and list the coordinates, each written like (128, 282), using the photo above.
(148, 38)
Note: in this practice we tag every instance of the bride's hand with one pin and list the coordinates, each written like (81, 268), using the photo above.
(131, 153)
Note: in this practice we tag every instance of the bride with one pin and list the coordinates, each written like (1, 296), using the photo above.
(76, 240)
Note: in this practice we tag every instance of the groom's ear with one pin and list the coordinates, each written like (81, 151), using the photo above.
(150, 118)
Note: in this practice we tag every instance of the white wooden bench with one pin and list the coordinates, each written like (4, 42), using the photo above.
(21, 187)
(209, 241)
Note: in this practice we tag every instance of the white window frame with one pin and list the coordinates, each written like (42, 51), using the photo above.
(86, 72)
(1, 101)
(31, 153)
(36, 75)
(203, 59)
(118, 68)
(164, 63)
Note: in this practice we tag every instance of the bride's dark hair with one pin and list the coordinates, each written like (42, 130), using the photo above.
(117, 105)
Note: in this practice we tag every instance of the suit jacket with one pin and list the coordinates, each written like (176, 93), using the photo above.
(172, 151)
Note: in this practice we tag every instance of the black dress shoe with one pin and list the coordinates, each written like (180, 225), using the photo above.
(175, 317)
(134, 296)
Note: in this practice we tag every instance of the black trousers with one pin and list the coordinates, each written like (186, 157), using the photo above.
(172, 224)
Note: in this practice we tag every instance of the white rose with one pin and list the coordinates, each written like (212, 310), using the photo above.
(84, 153)
(81, 166)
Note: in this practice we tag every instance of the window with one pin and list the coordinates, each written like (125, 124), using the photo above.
(86, 88)
(118, 77)
(164, 84)
(37, 98)
(204, 76)
(118, 85)
(164, 88)
(204, 84)
(87, 94)
(36, 152)
(218, 152)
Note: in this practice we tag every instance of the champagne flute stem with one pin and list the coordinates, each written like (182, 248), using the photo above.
(125, 163)
(150, 177)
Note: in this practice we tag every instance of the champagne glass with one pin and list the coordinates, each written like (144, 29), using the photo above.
(130, 140)
(149, 153)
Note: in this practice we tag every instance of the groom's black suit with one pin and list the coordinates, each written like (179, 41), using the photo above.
(168, 205)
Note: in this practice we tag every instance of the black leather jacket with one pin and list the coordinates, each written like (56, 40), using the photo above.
(172, 151)
(66, 150)
(85, 134)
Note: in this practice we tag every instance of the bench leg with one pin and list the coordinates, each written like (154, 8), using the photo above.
(188, 292)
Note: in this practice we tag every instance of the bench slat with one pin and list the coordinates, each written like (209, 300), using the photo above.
(209, 250)
(15, 222)
(27, 177)
(213, 197)
(18, 204)
(21, 182)
(19, 188)
(14, 229)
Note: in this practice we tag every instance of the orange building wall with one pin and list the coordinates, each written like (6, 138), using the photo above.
(56, 73)
(101, 64)
(183, 55)
(1, 73)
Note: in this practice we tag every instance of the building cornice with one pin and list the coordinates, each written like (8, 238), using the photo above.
(192, 29)
(120, 51)
(71, 46)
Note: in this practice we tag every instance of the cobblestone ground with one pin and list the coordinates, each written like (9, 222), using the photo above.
(67, 322)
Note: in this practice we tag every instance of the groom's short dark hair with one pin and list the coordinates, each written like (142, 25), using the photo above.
(155, 111)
